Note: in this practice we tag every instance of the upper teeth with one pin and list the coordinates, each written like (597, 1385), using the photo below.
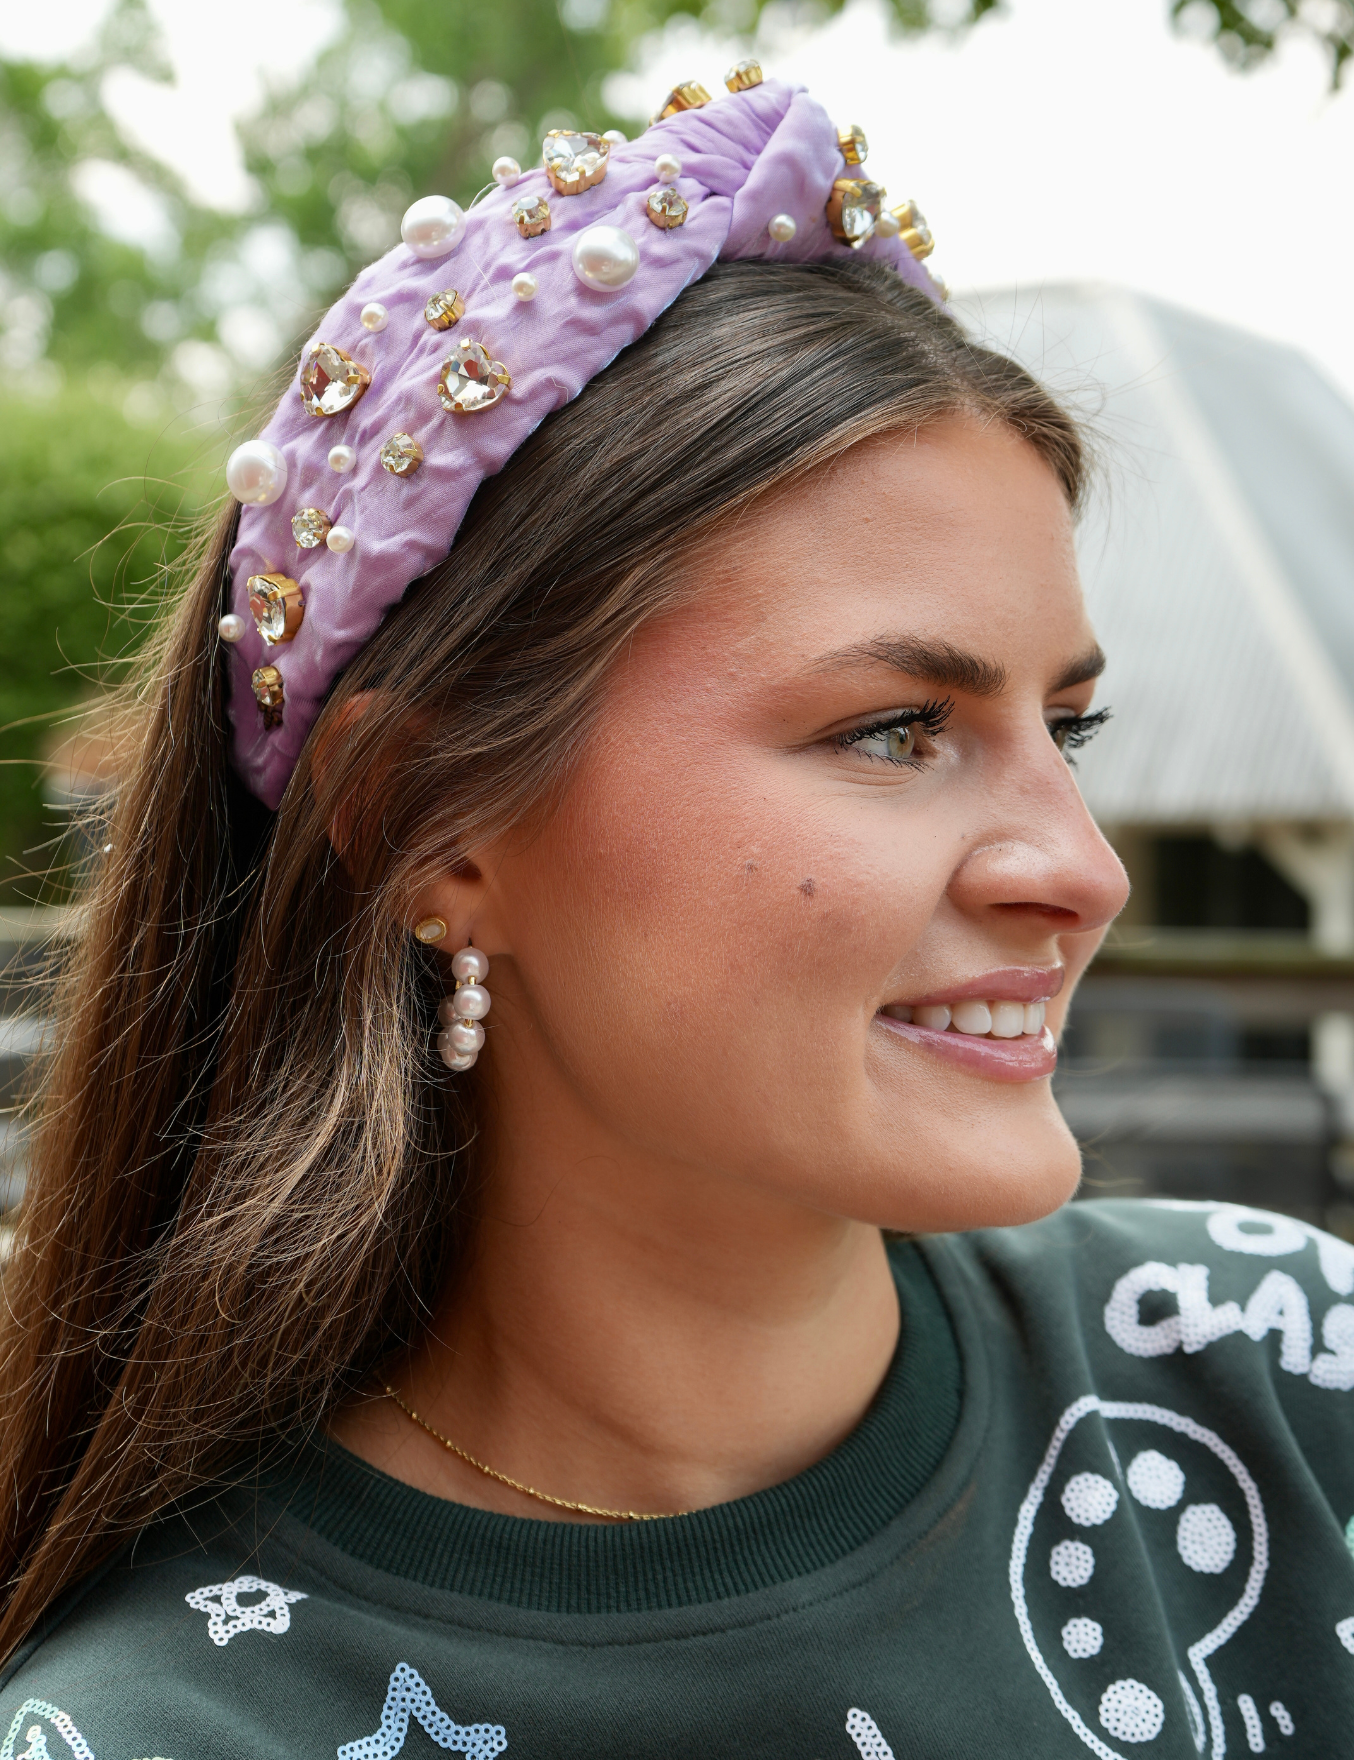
(1003, 1020)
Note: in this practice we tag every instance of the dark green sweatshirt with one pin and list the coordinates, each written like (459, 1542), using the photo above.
(1100, 1503)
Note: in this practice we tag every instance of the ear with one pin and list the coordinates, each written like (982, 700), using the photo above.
(458, 897)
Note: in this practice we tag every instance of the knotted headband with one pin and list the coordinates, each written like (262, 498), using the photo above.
(441, 358)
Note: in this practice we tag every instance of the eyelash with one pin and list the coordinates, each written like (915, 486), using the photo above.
(931, 717)
(1075, 731)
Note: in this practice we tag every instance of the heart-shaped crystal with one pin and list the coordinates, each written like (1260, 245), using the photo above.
(853, 209)
(470, 381)
(574, 162)
(331, 381)
(276, 605)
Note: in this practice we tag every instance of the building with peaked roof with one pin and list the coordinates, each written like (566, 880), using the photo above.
(1213, 1046)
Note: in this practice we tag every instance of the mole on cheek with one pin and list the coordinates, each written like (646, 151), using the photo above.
(807, 888)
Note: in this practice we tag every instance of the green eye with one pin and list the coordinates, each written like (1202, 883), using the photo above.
(901, 741)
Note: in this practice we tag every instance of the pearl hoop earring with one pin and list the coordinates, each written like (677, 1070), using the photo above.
(462, 1035)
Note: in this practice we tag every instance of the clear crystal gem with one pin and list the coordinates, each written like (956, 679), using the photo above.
(532, 214)
(574, 162)
(470, 381)
(853, 208)
(743, 75)
(666, 208)
(443, 309)
(276, 605)
(915, 232)
(310, 527)
(266, 683)
(331, 381)
(853, 144)
(689, 95)
(401, 455)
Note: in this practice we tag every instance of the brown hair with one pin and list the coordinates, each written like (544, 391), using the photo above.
(250, 1177)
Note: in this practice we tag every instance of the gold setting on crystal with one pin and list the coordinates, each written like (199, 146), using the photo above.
(574, 161)
(853, 208)
(853, 144)
(310, 526)
(331, 381)
(665, 208)
(532, 214)
(443, 309)
(915, 234)
(401, 455)
(266, 684)
(689, 95)
(743, 75)
(276, 605)
(470, 381)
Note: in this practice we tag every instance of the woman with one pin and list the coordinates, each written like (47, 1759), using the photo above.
(628, 1379)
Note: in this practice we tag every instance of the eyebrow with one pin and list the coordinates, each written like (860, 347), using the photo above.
(951, 668)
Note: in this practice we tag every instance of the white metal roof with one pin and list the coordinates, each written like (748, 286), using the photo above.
(1217, 551)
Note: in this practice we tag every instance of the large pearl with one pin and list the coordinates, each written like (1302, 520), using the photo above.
(232, 627)
(470, 965)
(506, 171)
(524, 285)
(256, 473)
(667, 167)
(339, 539)
(454, 1059)
(466, 1035)
(605, 257)
(782, 228)
(471, 1002)
(374, 316)
(432, 226)
(615, 136)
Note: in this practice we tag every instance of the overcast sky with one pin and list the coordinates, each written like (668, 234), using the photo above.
(1068, 139)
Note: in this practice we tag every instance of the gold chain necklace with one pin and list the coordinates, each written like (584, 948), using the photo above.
(582, 1509)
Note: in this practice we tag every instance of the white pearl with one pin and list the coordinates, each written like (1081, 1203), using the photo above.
(374, 316)
(667, 167)
(506, 171)
(231, 627)
(339, 538)
(256, 473)
(466, 1036)
(937, 1017)
(888, 225)
(432, 226)
(605, 257)
(524, 285)
(471, 1002)
(1008, 1020)
(972, 1017)
(457, 1060)
(615, 136)
(782, 228)
(1034, 1017)
(341, 458)
(470, 965)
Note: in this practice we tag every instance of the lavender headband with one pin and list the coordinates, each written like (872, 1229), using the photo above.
(442, 357)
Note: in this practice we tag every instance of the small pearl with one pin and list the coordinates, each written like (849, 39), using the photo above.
(1034, 1017)
(471, 1002)
(782, 228)
(1008, 1020)
(888, 225)
(432, 226)
(605, 257)
(470, 965)
(466, 1036)
(667, 167)
(615, 136)
(937, 1018)
(506, 171)
(457, 1060)
(524, 285)
(256, 473)
(231, 627)
(341, 458)
(972, 1017)
(340, 539)
(374, 316)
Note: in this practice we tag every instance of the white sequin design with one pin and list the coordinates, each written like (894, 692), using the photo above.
(1154, 1480)
(1255, 1735)
(864, 1732)
(1089, 1499)
(1129, 1710)
(37, 1742)
(1205, 1539)
(409, 1695)
(226, 1619)
(1279, 1712)
(1071, 1564)
(1083, 1637)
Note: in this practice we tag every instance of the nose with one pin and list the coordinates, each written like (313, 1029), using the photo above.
(1040, 859)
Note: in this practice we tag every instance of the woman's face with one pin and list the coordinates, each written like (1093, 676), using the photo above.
(824, 795)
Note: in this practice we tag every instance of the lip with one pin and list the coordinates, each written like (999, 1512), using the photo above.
(998, 1060)
(1009, 984)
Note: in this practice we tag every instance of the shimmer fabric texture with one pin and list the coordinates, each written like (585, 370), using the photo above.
(745, 158)
(1098, 1506)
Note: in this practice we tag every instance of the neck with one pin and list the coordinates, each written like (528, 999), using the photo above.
(636, 1335)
